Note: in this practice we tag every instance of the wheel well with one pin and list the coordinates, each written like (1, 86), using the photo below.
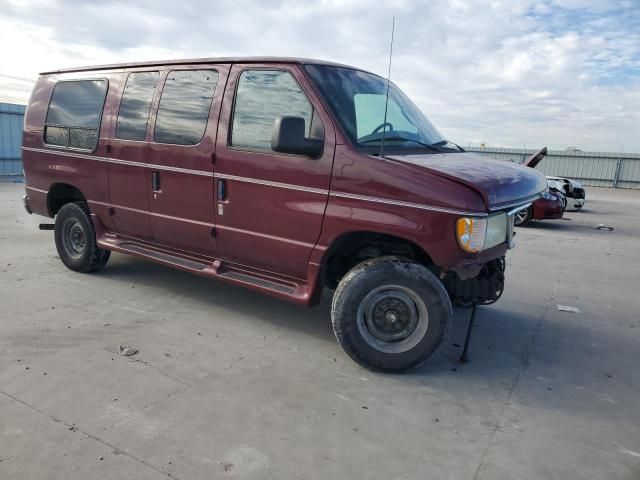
(353, 248)
(61, 194)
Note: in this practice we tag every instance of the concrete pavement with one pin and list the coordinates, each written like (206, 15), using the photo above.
(229, 383)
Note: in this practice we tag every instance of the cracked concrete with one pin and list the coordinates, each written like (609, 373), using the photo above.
(230, 383)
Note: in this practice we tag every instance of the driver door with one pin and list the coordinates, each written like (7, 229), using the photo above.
(269, 205)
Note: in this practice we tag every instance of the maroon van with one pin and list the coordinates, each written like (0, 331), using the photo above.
(283, 175)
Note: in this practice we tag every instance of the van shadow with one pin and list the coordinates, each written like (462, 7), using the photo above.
(500, 346)
(202, 292)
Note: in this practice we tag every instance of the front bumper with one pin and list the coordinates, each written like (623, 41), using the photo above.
(574, 203)
(25, 202)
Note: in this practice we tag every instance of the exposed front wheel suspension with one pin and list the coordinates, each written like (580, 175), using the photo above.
(484, 289)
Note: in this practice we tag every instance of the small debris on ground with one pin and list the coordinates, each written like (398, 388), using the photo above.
(567, 308)
(604, 227)
(365, 407)
(436, 419)
(127, 350)
(226, 467)
(100, 458)
(107, 324)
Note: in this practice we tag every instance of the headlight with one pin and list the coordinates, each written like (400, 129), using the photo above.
(476, 234)
(548, 196)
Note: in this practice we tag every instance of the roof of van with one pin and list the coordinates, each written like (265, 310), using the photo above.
(192, 61)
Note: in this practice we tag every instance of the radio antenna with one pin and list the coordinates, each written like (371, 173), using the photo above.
(386, 100)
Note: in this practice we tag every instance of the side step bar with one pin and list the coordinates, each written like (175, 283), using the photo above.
(131, 247)
(258, 282)
(283, 287)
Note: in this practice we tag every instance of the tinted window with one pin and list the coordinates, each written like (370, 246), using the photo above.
(74, 113)
(261, 96)
(56, 136)
(184, 106)
(135, 104)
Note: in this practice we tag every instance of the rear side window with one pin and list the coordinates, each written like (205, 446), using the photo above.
(75, 110)
(184, 106)
(135, 105)
(261, 96)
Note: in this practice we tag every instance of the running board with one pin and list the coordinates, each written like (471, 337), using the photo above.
(258, 281)
(162, 256)
(279, 286)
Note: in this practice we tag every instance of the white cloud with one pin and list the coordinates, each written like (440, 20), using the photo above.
(503, 72)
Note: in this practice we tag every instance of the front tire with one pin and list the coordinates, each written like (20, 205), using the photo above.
(523, 217)
(391, 314)
(75, 238)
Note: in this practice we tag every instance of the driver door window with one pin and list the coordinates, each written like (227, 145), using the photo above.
(261, 96)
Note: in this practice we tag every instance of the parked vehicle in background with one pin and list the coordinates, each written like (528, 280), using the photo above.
(282, 175)
(571, 189)
(550, 206)
(551, 203)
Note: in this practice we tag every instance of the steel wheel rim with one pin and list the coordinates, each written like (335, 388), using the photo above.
(73, 238)
(392, 319)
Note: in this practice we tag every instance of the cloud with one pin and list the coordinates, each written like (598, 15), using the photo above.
(502, 72)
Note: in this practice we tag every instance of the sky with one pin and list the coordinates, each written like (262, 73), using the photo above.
(513, 73)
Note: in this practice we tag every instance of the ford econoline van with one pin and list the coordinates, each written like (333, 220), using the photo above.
(282, 175)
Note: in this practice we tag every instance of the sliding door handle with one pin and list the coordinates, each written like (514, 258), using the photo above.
(222, 190)
(155, 181)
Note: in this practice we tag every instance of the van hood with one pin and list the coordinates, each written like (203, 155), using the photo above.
(500, 183)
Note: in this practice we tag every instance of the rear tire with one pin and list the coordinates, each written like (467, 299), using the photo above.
(391, 314)
(75, 238)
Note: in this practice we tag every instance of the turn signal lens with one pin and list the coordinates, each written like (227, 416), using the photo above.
(471, 233)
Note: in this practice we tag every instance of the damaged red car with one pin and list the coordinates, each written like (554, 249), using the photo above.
(549, 206)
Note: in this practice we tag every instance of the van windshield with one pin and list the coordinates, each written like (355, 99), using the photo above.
(357, 99)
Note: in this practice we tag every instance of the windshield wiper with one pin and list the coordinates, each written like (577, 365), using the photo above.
(400, 138)
(442, 143)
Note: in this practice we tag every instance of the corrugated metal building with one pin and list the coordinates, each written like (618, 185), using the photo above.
(11, 123)
(596, 169)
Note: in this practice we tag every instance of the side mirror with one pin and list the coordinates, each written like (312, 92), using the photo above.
(289, 137)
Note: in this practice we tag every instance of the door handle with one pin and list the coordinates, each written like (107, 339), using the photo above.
(155, 181)
(222, 190)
